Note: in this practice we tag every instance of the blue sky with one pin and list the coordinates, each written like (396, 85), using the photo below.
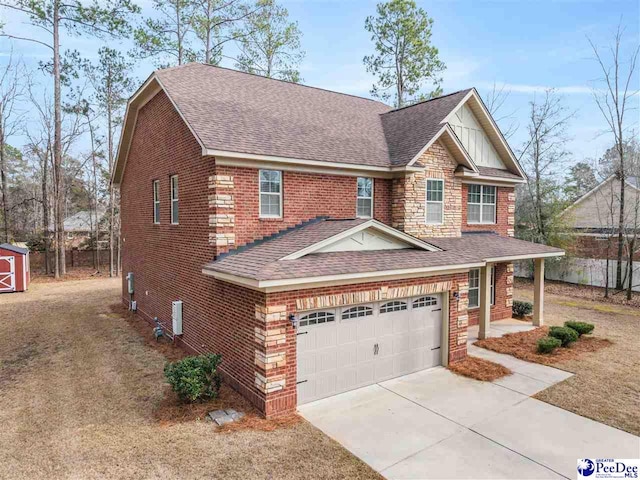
(526, 45)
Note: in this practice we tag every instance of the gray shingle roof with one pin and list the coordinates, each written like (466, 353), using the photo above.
(13, 248)
(263, 261)
(407, 130)
(243, 113)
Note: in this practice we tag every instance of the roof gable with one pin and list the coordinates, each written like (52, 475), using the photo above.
(368, 236)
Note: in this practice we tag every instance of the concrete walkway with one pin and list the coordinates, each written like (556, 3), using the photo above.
(435, 424)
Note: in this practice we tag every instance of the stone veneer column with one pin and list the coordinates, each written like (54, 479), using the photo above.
(463, 316)
(271, 352)
(511, 210)
(509, 301)
(222, 216)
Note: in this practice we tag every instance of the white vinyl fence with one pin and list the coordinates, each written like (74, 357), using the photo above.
(583, 271)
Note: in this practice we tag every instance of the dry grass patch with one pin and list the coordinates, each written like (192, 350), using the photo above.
(87, 393)
(606, 385)
(479, 369)
(75, 273)
(523, 345)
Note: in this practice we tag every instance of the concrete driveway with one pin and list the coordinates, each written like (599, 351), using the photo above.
(435, 424)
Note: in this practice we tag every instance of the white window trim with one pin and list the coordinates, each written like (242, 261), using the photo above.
(156, 201)
(441, 202)
(492, 287)
(373, 183)
(176, 199)
(260, 193)
(495, 205)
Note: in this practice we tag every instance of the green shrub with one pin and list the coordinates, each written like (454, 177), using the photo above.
(194, 378)
(548, 344)
(520, 309)
(582, 328)
(564, 334)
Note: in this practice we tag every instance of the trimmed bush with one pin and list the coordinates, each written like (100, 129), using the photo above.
(548, 344)
(582, 328)
(564, 334)
(194, 378)
(520, 309)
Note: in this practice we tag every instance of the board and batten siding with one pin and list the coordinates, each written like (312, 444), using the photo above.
(474, 139)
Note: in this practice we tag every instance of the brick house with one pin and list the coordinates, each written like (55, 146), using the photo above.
(595, 217)
(319, 241)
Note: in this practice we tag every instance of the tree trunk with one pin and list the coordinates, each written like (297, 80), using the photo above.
(5, 192)
(45, 211)
(110, 154)
(632, 246)
(57, 145)
(621, 227)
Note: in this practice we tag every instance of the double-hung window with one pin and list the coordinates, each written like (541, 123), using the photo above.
(474, 287)
(156, 201)
(435, 201)
(364, 202)
(174, 199)
(481, 204)
(270, 193)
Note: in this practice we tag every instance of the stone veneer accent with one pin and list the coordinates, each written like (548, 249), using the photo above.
(222, 202)
(383, 293)
(270, 354)
(409, 196)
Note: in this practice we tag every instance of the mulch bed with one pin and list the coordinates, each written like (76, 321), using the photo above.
(479, 369)
(583, 292)
(171, 410)
(522, 345)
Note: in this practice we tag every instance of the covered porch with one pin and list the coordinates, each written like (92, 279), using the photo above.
(484, 328)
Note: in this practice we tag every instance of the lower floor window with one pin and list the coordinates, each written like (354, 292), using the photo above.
(474, 287)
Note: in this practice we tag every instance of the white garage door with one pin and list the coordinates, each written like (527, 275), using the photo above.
(350, 347)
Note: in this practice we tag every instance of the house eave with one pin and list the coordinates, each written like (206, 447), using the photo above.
(341, 279)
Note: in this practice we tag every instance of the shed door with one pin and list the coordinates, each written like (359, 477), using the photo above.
(350, 347)
(7, 274)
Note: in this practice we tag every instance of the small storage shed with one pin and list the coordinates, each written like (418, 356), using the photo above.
(14, 268)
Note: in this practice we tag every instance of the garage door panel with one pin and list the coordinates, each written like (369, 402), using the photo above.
(326, 360)
(401, 343)
(347, 332)
(325, 385)
(367, 344)
(401, 323)
(365, 373)
(306, 364)
(418, 339)
(347, 379)
(347, 355)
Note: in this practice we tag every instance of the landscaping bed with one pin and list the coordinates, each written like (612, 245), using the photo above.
(523, 345)
(479, 369)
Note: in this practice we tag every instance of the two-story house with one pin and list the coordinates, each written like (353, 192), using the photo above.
(319, 241)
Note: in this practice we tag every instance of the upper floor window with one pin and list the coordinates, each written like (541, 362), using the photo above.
(270, 193)
(481, 204)
(364, 202)
(156, 201)
(174, 199)
(474, 287)
(435, 201)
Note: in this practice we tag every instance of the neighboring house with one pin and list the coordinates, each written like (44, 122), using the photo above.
(594, 219)
(80, 227)
(318, 241)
